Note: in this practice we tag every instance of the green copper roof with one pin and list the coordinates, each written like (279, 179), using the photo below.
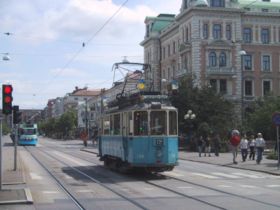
(161, 21)
(259, 4)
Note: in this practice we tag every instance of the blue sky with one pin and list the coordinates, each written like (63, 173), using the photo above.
(46, 34)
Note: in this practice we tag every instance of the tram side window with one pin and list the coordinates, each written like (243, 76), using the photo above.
(111, 125)
(106, 126)
(172, 123)
(158, 123)
(117, 124)
(140, 123)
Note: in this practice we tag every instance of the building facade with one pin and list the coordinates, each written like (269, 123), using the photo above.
(231, 45)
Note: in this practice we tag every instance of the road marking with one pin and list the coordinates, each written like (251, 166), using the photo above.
(247, 186)
(249, 175)
(84, 191)
(35, 176)
(148, 188)
(226, 175)
(224, 186)
(205, 175)
(273, 185)
(67, 157)
(185, 187)
(67, 176)
(174, 174)
(50, 192)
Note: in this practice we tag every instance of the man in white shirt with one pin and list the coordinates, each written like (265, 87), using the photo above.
(244, 148)
(260, 144)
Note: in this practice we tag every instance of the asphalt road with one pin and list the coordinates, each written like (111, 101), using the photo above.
(60, 176)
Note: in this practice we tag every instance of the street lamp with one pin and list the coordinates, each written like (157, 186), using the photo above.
(189, 117)
(242, 53)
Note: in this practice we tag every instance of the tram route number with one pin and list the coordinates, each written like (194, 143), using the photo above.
(159, 142)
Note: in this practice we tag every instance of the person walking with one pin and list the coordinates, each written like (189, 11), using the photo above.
(200, 144)
(234, 142)
(244, 148)
(208, 146)
(216, 143)
(252, 145)
(260, 144)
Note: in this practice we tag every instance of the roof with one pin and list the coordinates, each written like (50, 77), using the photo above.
(161, 21)
(259, 4)
(84, 92)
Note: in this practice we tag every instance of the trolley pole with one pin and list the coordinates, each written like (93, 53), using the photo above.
(1, 155)
(15, 147)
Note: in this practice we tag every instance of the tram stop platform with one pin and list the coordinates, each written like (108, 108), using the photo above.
(14, 189)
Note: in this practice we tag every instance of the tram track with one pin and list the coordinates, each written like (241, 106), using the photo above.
(163, 176)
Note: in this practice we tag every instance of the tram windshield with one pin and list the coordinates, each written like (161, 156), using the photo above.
(28, 131)
(158, 123)
(172, 123)
(140, 123)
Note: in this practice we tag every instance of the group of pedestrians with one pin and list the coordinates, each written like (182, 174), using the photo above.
(252, 146)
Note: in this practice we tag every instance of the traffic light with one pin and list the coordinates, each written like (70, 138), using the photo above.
(7, 99)
(16, 115)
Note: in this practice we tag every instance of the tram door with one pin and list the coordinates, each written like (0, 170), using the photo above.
(125, 132)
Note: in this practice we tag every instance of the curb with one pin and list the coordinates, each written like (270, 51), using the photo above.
(28, 200)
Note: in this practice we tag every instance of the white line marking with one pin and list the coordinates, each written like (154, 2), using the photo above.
(205, 175)
(247, 186)
(224, 186)
(273, 185)
(148, 188)
(50, 192)
(226, 175)
(67, 176)
(185, 187)
(174, 174)
(35, 176)
(84, 191)
(248, 175)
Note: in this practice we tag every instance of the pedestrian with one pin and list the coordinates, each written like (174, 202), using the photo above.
(260, 144)
(244, 148)
(234, 142)
(216, 143)
(200, 145)
(252, 145)
(208, 146)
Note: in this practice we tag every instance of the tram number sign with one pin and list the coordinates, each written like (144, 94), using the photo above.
(276, 118)
(159, 142)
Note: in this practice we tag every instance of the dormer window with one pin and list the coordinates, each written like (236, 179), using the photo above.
(147, 30)
(217, 3)
(185, 4)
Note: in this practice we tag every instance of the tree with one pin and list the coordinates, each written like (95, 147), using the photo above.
(210, 108)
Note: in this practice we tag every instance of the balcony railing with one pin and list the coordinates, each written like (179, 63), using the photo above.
(220, 70)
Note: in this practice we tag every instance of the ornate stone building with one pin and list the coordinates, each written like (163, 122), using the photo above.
(232, 45)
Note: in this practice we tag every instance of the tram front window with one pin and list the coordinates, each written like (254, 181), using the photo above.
(158, 123)
(29, 131)
(140, 123)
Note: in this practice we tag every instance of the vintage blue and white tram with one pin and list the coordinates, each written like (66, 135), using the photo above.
(140, 131)
(28, 134)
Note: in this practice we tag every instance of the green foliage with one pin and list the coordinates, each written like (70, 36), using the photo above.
(272, 156)
(5, 128)
(63, 127)
(211, 109)
(260, 120)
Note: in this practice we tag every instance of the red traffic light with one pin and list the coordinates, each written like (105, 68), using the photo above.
(7, 89)
(8, 99)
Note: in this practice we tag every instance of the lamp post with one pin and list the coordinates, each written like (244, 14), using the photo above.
(242, 53)
(189, 117)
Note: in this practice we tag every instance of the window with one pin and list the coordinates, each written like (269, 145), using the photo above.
(117, 124)
(158, 123)
(247, 35)
(222, 59)
(174, 47)
(205, 31)
(163, 53)
(187, 35)
(247, 62)
(266, 87)
(168, 50)
(228, 32)
(264, 10)
(172, 123)
(140, 123)
(217, 3)
(106, 126)
(185, 4)
(217, 31)
(147, 30)
(266, 63)
(213, 84)
(248, 88)
(223, 86)
(265, 35)
(212, 59)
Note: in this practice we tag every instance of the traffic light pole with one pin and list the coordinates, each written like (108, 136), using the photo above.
(1, 156)
(15, 147)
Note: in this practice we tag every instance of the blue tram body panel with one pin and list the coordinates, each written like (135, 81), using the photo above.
(142, 151)
(27, 140)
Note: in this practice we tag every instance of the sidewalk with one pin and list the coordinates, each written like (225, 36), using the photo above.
(224, 159)
(14, 190)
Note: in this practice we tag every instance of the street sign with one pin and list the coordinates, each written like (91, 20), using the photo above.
(276, 118)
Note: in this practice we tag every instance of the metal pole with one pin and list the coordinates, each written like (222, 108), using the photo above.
(277, 128)
(1, 160)
(15, 143)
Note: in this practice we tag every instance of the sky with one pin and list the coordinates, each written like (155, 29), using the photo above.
(47, 57)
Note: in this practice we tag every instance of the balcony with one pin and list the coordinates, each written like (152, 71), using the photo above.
(230, 71)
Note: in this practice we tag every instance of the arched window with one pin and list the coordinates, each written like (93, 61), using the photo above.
(212, 59)
(222, 59)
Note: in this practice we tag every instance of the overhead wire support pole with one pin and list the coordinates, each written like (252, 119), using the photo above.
(1, 156)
